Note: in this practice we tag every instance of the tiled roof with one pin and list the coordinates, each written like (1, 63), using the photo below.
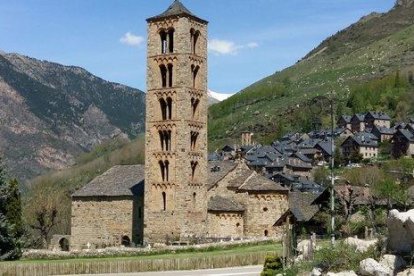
(218, 203)
(300, 204)
(217, 170)
(241, 177)
(261, 183)
(378, 116)
(174, 10)
(365, 139)
(126, 180)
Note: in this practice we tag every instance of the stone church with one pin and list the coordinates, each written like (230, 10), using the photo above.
(178, 195)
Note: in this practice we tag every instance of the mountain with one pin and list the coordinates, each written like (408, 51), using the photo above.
(215, 97)
(376, 46)
(50, 113)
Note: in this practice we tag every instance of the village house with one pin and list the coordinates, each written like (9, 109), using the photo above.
(403, 143)
(344, 121)
(358, 122)
(379, 119)
(383, 133)
(362, 143)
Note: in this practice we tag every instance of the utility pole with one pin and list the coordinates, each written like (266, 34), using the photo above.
(317, 106)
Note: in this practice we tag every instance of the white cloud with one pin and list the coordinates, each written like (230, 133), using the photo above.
(131, 40)
(252, 45)
(226, 47)
(223, 47)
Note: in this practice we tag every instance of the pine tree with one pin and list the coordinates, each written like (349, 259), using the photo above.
(11, 228)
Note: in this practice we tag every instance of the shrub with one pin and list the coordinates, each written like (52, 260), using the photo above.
(272, 265)
(342, 257)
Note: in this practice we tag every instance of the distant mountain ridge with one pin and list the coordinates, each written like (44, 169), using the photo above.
(50, 113)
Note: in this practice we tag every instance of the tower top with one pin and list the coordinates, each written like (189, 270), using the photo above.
(176, 9)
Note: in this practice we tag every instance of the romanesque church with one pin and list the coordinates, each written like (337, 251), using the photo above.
(178, 195)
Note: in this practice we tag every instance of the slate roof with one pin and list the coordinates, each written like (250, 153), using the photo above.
(297, 163)
(300, 205)
(407, 134)
(345, 118)
(378, 115)
(383, 130)
(365, 139)
(218, 203)
(325, 146)
(240, 178)
(176, 9)
(359, 116)
(125, 180)
(261, 183)
(215, 175)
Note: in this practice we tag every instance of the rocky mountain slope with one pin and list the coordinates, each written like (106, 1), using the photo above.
(50, 113)
(376, 46)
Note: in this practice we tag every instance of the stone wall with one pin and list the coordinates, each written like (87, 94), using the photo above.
(103, 222)
(225, 224)
(255, 219)
(183, 194)
(262, 212)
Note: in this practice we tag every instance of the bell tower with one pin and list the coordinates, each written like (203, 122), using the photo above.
(175, 203)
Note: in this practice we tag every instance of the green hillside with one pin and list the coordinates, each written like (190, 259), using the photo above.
(378, 46)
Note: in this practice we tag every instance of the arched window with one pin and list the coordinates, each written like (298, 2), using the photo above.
(162, 170)
(164, 43)
(164, 201)
(64, 244)
(169, 108)
(194, 38)
(194, 71)
(170, 75)
(194, 105)
(171, 40)
(194, 136)
(167, 167)
(164, 107)
(194, 199)
(126, 241)
(163, 71)
(165, 140)
(193, 169)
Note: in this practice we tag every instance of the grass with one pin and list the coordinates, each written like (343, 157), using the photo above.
(186, 253)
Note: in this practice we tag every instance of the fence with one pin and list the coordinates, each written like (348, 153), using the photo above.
(93, 266)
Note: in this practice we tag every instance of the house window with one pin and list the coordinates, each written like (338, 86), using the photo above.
(194, 199)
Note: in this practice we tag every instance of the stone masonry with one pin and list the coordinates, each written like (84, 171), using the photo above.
(176, 126)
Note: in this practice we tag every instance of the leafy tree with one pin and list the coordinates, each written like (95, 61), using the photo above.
(320, 175)
(338, 158)
(389, 190)
(46, 220)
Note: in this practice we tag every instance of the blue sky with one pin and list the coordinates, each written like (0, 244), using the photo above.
(249, 39)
